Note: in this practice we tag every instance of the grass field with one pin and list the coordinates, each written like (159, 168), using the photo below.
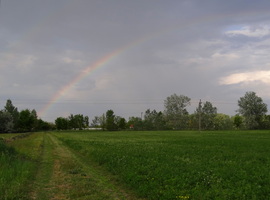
(144, 165)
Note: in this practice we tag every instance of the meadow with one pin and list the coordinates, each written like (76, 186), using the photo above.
(182, 165)
(143, 165)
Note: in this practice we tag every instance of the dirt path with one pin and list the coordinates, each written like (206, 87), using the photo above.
(65, 175)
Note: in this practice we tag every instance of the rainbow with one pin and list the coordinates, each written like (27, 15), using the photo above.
(107, 58)
(88, 70)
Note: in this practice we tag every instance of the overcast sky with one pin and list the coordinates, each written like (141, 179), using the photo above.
(88, 56)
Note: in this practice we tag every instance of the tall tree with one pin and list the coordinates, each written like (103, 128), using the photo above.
(9, 107)
(13, 111)
(120, 123)
(110, 120)
(61, 123)
(154, 120)
(86, 122)
(149, 119)
(207, 113)
(253, 109)
(176, 112)
(78, 121)
(26, 121)
(6, 122)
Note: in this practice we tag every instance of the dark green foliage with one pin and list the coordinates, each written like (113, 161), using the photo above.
(13, 111)
(77, 121)
(45, 126)
(110, 121)
(72, 122)
(223, 122)
(238, 121)
(266, 122)
(252, 108)
(61, 123)
(6, 122)
(176, 112)
(11, 120)
(27, 121)
(206, 113)
(135, 123)
(154, 120)
(120, 123)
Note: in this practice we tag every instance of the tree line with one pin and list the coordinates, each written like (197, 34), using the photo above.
(251, 114)
(12, 120)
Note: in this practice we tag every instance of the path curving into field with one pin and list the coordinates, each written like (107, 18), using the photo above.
(64, 174)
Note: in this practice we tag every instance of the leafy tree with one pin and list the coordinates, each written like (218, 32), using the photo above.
(11, 120)
(193, 122)
(96, 122)
(71, 122)
(149, 119)
(10, 108)
(86, 122)
(6, 122)
(62, 123)
(175, 111)
(35, 117)
(78, 121)
(136, 123)
(154, 120)
(266, 122)
(110, 121)
(237, 121)
(160, 122)
(120, 122)
(45, 126)
(208, 112)
(13, 111)
(223, 122)
(27, 121)
(103, 121)
(99, 121)
(252, 108)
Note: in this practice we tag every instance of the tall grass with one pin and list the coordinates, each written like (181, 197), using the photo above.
(14, 173)
(18, 165)
(183, 165)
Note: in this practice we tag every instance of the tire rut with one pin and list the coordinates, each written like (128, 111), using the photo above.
(67, 175)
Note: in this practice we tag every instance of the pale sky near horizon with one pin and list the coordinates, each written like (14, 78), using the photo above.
(88, 56)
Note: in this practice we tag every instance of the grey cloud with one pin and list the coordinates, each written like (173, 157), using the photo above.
(169, 47)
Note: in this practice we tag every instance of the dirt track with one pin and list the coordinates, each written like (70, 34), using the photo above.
(64, 174)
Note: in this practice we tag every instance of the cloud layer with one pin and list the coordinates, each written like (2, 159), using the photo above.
(214, 51)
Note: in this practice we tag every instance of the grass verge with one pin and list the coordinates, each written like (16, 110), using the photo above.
(18, 165)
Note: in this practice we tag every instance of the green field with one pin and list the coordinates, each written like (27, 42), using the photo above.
(139, 165)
